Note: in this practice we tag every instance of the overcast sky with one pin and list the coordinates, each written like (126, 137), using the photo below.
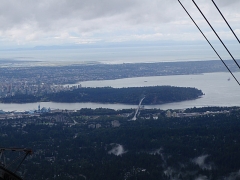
(27, 23)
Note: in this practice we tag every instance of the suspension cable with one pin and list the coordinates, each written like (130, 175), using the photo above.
(209, 43)
(225, 21)
(216, 33)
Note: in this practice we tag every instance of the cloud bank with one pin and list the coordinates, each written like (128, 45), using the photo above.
(90, 21)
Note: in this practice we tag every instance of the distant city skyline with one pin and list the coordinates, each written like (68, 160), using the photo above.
(99, 30)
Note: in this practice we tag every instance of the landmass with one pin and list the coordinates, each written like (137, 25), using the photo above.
(49, 79)
(197, 143)
(131, 95)
(88, 144)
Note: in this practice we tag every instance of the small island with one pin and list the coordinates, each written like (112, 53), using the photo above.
(130, 95)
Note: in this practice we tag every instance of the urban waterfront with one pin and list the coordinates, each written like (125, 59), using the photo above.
(218, 90)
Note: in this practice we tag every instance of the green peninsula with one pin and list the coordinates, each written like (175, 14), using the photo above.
(131, 95)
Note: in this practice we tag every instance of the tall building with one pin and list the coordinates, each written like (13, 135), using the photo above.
(169, 114)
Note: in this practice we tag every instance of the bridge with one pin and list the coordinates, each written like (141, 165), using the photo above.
(139, 105)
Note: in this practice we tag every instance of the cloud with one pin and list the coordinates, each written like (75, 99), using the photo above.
(157, 152)
(46, 12)
(160, 152)
(201, 162)
(233, 176)
(170, 172)
(201, 178)
(226, 3)
(117, 150)
(237, 31)
(42, 22)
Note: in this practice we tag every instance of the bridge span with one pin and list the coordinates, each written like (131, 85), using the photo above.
(139, 105)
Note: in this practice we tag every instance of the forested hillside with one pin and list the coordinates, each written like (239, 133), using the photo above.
(197, 147)
(132, 95)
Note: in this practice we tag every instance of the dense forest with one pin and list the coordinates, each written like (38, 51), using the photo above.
(187, 148)
(131, 95)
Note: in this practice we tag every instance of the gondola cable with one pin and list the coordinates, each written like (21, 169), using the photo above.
(209, 42)
(216, 33)
(226, 21)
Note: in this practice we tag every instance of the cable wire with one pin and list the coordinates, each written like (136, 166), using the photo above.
(216, 33)
(209, 42)
(225, 21)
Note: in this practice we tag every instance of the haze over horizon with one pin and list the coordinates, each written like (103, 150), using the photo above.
(114, 30)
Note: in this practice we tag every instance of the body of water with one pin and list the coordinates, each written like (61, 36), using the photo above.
(113, 55)
(218, 90)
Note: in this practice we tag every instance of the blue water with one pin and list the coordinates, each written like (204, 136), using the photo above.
(218, 90)
(216, 87)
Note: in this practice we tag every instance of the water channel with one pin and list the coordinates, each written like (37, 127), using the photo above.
(219, 89)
